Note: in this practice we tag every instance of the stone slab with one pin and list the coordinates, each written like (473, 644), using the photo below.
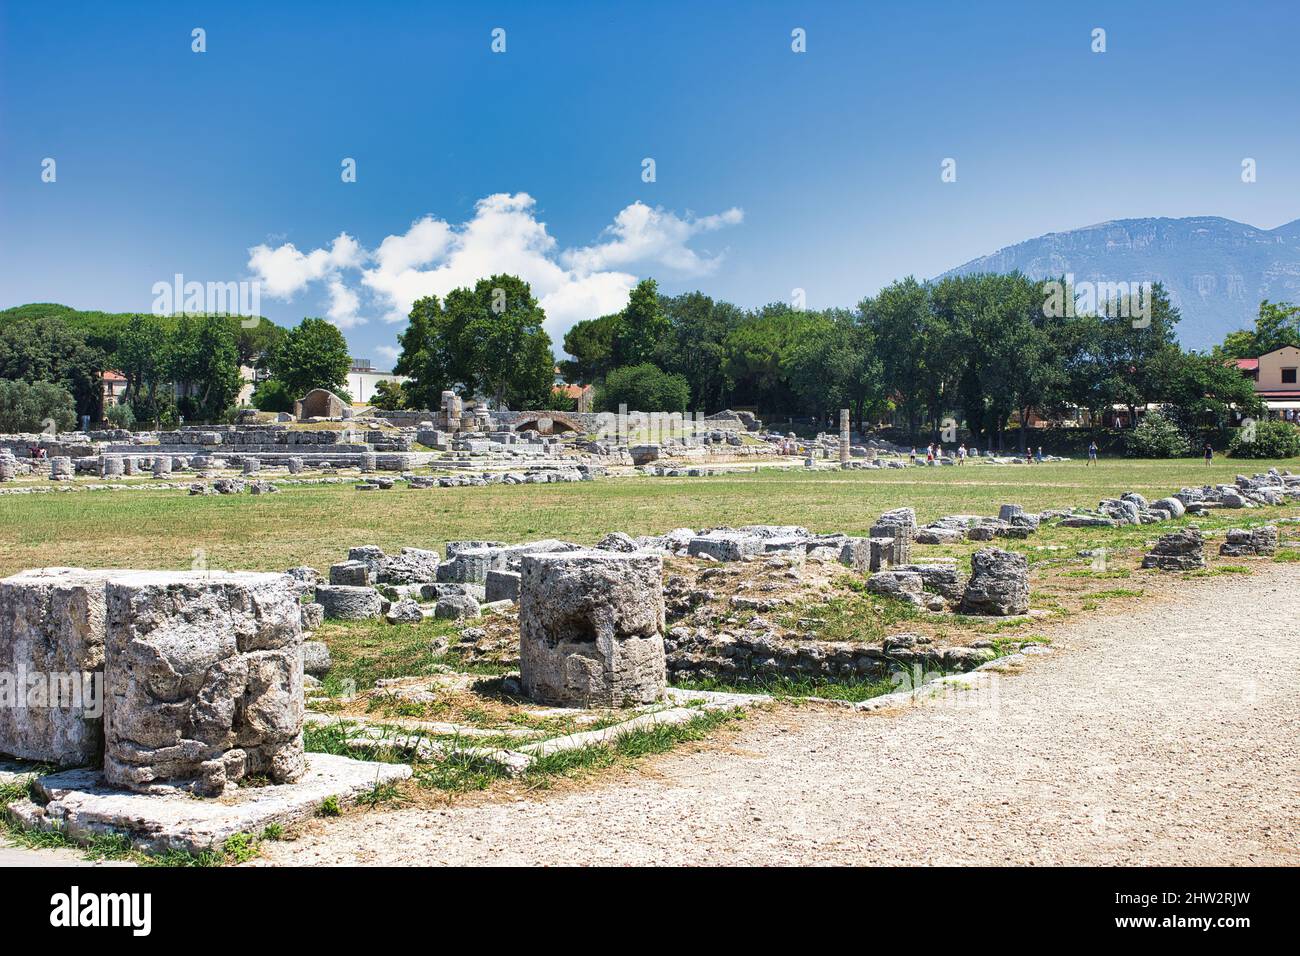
(82, 807)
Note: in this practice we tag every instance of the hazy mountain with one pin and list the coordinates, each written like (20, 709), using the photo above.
(1215, 270)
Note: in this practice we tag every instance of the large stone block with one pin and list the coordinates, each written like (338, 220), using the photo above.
(471, 565)
(1177, 551)
(349, 603)
(998, 585)
(1250, 542)
(206, 680)
(725, 547)
(52, 642)
(591, 628)
(502, 586)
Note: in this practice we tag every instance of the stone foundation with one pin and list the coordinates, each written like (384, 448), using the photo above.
(205, 677)
(52, 624)
(591, 628)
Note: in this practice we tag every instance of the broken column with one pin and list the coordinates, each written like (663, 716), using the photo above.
(591, 628)
(252, 466)
(61, 469)
(294, 464)
(52, 643)
(205, 672)
(1250, 542)
(844, 438)
(110, 466)
(998, 585)
(1177, 551)
(162, 466)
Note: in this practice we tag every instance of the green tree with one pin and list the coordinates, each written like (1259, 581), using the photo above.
(1267, 439)
(311, 355)
(389, 396)
(1158, 436)
(488, 340)
(641, 326)
(45, 349)
(33, 406)
(695, 346)
(1277, 325)
(591, 343)
(272, 395)
(203, 361)
(141, 356)
(898, 316)
(643, 388)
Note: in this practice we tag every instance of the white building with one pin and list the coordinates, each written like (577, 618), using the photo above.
(363, 379)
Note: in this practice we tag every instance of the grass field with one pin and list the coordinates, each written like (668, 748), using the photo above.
(315, 525)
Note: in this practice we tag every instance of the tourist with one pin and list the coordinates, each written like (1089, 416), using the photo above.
(1208, 451)
(1092, 454)
(1039, 457)
(961, 454)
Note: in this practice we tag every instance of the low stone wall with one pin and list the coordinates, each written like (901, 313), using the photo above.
(702, 655)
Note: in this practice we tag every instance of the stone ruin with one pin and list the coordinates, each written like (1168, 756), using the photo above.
(204, 673)
(53, 621)
(998, 585)
(1250, 542)
(1177, 551)
(591, 628)
(185, 680)
(321, 403)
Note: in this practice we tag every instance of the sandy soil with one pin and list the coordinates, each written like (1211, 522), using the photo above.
(1169, 734)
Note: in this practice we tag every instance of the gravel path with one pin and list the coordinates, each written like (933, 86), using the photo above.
(1170, 735)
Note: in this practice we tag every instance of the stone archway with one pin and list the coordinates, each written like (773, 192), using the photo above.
(321, 403)
(547, 423)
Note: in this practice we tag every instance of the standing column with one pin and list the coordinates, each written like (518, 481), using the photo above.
(844, 438)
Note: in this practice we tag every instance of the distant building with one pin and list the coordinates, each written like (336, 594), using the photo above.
(363, 379)
(114, 387)
(582, 395)
(1274, 375)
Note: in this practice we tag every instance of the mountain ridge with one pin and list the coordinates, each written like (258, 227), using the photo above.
(1216, 270)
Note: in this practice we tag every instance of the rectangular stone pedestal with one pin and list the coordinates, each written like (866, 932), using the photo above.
(81, 806)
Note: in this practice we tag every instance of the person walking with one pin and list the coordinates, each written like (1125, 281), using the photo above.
(1208, 452)
(1039, 456)
(1092, 454)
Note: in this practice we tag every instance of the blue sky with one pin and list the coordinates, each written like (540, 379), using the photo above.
(774, 170)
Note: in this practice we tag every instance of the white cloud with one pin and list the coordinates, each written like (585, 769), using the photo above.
(642, 234)
(284, 271)
(504, 236)
(389, 352)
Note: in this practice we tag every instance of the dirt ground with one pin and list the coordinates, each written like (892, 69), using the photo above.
(1166, 732)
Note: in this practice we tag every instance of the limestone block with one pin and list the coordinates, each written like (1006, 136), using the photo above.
(725, 547)
(206, 680)
(351, 573)
(52, 631)
(502, 586)
(591, 628)
(348, 602)
(998, 585)
(315, 658)
(1242, 542)
(1177, 551)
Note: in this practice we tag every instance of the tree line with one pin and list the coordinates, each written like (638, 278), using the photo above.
(180, 367)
